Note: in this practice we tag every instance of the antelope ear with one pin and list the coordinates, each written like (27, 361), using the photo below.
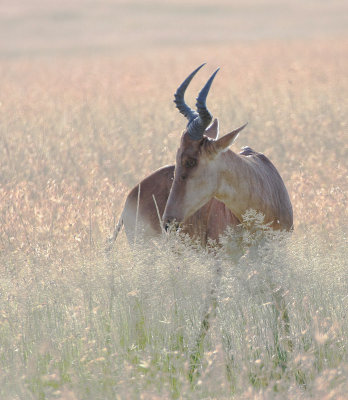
(212, 131)
(225, 142)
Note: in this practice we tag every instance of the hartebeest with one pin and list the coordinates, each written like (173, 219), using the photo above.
(206, 168)
(210, 187)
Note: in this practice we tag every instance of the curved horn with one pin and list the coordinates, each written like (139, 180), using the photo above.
(197, 127)
(179, 97)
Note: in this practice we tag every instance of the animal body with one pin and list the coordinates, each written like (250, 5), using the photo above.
(145, 205)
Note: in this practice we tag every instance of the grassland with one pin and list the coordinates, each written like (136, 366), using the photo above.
(78, 131)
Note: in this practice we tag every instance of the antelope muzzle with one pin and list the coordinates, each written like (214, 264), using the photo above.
(170, 224)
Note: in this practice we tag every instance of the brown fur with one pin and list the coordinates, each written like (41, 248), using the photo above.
(208, 222)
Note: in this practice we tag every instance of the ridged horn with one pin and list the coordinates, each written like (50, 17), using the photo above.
(179, 97)
(197, 127)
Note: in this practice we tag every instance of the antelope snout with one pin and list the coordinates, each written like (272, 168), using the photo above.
(170, 223)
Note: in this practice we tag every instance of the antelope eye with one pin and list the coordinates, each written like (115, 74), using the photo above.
(183, 177)
(190, 163)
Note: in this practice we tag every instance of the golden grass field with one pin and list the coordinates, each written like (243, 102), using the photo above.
(82, 121)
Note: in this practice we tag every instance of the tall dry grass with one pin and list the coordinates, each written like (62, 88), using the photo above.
(76, 135)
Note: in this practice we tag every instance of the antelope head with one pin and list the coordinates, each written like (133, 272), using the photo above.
(197, 169)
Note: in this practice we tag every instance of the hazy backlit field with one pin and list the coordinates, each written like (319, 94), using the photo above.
(86, 112)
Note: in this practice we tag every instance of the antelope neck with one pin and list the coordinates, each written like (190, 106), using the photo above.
(240, 184)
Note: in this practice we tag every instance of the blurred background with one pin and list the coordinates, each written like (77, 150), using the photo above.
(46, 27)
